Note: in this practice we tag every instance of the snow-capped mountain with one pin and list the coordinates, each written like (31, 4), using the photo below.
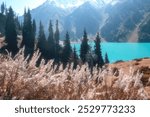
(73, 3)
(86, 16)
(65, 11)
(116, 20)
(64, 3)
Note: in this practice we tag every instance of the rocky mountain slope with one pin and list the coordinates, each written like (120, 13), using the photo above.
(124, 19)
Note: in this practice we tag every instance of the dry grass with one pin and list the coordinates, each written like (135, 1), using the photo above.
(22, 80)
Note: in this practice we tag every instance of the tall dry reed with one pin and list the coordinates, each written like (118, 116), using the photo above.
(22, 80)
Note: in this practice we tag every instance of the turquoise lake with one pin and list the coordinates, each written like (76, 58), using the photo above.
(122, 51)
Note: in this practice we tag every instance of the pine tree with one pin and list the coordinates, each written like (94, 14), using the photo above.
(51, 35)
(41, 44)
(34, 29)
(2, 8)
(28, 36)
(24, 29)
(2, 23)
(57, 33)
(41, 39)
(10, 33)
(51, 42)
(90, 58)
(84, 47)
(75, 58)
(57, 46)
(67, 50)
(99, 59)
(106, 59)
(18, 25)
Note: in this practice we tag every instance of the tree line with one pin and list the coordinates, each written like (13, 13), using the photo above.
(50, 48)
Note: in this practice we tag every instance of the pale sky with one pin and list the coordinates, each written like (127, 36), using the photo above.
(19, 5)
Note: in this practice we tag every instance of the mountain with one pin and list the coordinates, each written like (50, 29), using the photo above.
(144, 32)
(116, 20)
(73, 15)
(49, 11)
(86, 16)
(73, 3)
(125, 19)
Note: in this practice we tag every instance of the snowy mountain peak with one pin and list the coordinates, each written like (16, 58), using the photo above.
(75, 3)
(65, 3)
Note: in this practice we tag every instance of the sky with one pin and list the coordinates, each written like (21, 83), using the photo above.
(19, 5)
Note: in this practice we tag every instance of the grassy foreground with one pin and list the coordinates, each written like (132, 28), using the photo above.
(22, 80)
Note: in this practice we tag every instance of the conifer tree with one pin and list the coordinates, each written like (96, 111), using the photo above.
(57, 46)
(34, 29)
(10, 33)
(2, 23)
(106, 59)
(28, 36)
(51, 35)
(24, 29)
(51, 42)
(75, 58)
(84, 49)
(57, 33)
(18, 25)
(2, 8)
(41, 43)
(67, 50)
(99, 59)
(90, 59)
(41, 39)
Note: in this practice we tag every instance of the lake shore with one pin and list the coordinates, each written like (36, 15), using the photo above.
(120, 51)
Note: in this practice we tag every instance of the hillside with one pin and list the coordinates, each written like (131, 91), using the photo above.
(138, 65)
(144, 32)
(124, 19)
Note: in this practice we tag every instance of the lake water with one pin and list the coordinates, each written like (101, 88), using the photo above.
(122, 51)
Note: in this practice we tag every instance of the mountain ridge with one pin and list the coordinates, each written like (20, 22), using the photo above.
(116, 20)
